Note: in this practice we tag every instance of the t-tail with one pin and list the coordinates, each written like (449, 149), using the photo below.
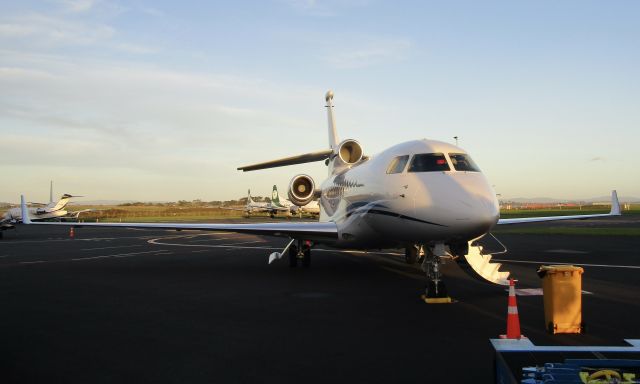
(64, 200)
(275, 197)
(249, 199)
(338, 156)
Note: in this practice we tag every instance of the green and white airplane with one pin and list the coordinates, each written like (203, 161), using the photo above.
(273, 207)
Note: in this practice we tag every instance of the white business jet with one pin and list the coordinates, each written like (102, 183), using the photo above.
(40, 211)
(424, 196)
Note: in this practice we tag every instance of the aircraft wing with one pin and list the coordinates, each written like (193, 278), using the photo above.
(233, 208)
(615, 211)
(282, 209)
(307, 231)
(300, 159)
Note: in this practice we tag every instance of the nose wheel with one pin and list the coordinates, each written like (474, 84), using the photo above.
(435, 290)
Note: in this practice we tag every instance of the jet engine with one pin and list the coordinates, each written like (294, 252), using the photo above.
(350, 151)
(301, 190)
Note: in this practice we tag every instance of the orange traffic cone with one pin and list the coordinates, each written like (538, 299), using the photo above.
(71, 233)
(513, 320)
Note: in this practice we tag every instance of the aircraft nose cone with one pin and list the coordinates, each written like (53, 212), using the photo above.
(486, 212)
(480, 210)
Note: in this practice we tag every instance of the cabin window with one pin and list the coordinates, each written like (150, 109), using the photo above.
(429, 162)
(397, 164)
(462, 162)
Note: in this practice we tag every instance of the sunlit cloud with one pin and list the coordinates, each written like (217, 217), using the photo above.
(38, 30)
(368, 53)
(77, 5)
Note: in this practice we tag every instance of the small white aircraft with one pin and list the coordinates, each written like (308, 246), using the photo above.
(425, 196)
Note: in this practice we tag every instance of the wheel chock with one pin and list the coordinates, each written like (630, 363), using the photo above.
(436, 300)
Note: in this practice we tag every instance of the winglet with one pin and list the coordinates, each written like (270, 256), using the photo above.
(25, 212)
(615, 204)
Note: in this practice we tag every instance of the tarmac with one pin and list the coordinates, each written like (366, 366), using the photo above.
(118, 305)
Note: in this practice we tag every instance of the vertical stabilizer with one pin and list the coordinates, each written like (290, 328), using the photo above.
(51, 192)
(249, 199)
(64, 200)
(275, 196)
(333, 134)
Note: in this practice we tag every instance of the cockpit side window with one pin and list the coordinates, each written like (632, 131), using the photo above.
(398, 164)
(463, 162)
(429, 162)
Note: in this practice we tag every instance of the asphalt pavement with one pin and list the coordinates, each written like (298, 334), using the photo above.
(118, 305)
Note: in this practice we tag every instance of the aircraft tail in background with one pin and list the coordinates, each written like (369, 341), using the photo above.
(64, 200)
(275, 196)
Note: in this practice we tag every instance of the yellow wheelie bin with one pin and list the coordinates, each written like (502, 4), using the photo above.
(562, 289)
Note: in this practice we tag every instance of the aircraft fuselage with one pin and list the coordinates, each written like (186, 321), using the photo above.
(376, 209)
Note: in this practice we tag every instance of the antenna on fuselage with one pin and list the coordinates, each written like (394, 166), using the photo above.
(333, 134)
(456, 137)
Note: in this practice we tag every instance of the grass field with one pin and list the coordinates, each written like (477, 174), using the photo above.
(514, 213)
(158, 213)
(161, 213)
(578, 231)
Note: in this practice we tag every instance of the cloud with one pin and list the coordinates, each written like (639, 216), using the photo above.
(42, 30)
(368, 53)
(93, 111)
(135, 49)
(77, 6)
(323, 8)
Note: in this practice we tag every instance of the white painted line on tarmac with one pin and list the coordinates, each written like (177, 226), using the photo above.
(119, 255)
(158, 241)
(567, 251)
(557, 263)
(200, 250)
(536, 292)
(33, 262)
(119, 246)
(76, 239)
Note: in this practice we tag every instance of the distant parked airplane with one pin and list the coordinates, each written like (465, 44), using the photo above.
(273, 207)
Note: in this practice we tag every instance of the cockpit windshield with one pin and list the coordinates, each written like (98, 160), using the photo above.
(429, 162)
(398, 164)
(462, 162)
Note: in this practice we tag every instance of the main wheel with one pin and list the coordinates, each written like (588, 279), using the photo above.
(411, 254)
(293, 256)
(306, 260)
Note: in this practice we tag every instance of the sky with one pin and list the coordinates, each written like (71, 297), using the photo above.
(163, 100)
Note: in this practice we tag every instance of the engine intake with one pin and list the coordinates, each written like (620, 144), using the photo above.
(350, 151)
(301, 190)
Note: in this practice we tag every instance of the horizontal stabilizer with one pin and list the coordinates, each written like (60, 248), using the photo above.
(300, 159)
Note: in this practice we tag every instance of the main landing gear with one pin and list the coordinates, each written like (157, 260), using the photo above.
(300, 252)
(413, 254)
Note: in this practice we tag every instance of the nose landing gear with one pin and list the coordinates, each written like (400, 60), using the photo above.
(435, 291)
